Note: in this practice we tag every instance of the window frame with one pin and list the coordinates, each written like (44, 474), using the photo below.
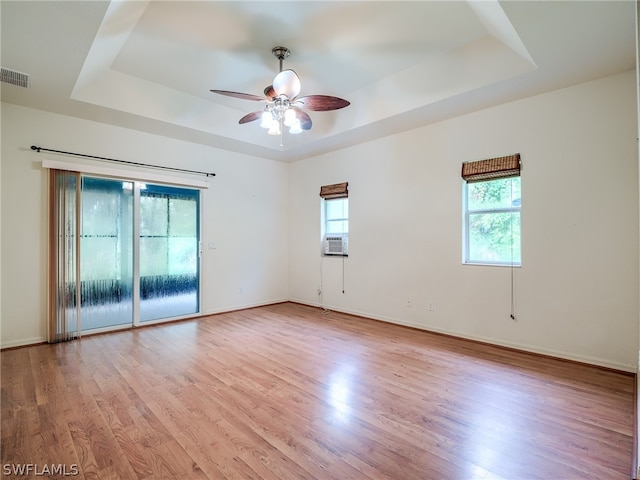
(326, 219)
(466, 260)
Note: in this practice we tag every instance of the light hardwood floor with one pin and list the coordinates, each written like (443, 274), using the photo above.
(286, 392)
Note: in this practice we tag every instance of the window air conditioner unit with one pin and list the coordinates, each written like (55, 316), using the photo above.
(336, 244)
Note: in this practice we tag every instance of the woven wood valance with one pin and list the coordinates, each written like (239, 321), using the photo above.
(337, 190)
(491, 168)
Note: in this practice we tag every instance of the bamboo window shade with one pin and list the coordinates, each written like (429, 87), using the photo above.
(337, 190)
(491, 168)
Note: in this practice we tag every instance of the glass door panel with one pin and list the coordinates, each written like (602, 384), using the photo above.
(169, 239)
(106, 253)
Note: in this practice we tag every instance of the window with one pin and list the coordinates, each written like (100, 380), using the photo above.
(335, 218)
(491, 204)
(336, 215)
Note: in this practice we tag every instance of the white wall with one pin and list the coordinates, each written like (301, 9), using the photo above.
(242, 214)
(577, 291)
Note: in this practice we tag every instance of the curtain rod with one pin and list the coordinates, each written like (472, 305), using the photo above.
(39, 149)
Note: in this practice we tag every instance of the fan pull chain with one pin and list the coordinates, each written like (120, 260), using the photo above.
(281, 132)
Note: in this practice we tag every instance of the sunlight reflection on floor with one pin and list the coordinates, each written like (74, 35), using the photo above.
(339, 393)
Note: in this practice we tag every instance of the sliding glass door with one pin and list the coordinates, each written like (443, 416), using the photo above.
(122, 252)
(169, 247)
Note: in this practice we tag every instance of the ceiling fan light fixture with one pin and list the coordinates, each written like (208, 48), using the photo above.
(290, 117)
(266, 119)
(274, 128)
(283, 106)
(295, 127)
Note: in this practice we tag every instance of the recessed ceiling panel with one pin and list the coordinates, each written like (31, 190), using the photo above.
(337, 46)
(160, 59)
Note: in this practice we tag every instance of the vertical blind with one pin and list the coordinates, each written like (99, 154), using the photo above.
(64, 251)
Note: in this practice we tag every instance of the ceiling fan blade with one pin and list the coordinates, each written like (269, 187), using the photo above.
(305, 119)
(244, 96)
(270, 93)
(287, 83)
(250, 117)
(322, 103)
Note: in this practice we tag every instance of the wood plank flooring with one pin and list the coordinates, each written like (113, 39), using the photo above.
(286, 392)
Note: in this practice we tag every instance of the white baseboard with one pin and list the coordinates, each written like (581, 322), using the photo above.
(34, 341)
(242, 306)
(525, 348)
(23, 342)
(517, 346)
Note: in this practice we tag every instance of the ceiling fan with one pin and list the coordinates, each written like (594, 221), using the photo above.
(283, 106)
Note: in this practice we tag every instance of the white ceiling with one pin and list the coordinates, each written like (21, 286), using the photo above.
(149, 65)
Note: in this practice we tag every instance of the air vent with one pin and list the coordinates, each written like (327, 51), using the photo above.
(14, 78)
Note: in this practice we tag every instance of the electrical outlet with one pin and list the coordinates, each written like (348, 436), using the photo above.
(409, 304)
(241, 291)
(430, 306)
(319, 291)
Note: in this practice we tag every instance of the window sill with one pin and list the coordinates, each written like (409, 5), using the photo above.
(478, 264)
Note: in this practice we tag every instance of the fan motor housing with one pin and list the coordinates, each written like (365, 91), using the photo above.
(280, 52)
